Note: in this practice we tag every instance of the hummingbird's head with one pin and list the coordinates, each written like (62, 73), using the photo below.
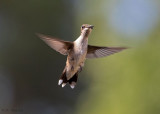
(86, 29)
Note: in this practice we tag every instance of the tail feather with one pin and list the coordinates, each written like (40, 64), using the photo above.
(63, 79)
(74, 78)
(72, 81)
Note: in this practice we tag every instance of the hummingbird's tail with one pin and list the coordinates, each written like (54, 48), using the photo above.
(63, 79)
(72, 81)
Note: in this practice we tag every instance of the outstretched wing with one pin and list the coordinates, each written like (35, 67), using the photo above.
(56, 44)
(97, 52)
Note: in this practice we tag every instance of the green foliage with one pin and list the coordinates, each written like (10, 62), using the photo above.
(127, 82)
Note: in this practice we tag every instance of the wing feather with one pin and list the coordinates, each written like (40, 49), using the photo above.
(59, 45)
(97, 52)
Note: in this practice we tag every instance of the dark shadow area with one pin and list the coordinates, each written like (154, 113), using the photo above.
(31, 67)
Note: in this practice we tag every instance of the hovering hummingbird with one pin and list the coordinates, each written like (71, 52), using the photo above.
(77, 52)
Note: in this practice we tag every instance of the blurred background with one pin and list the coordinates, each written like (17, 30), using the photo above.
(124, 83)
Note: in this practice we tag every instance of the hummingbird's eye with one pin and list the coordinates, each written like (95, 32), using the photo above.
(83, 27)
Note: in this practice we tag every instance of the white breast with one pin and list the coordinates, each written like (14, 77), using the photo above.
(80, 45)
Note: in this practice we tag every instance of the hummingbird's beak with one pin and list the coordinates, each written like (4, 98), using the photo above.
(91, 26)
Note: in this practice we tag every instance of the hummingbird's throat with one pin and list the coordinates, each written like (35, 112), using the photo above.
(85, 32)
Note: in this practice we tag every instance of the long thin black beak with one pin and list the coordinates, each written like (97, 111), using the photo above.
(91, 26)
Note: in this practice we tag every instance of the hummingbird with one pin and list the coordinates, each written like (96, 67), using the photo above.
(77, 52)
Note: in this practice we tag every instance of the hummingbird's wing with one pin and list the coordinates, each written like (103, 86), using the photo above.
(97, 52)
(56, 44)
